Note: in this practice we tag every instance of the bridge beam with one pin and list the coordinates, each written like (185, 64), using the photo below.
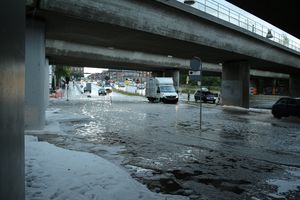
(235, 83)
(35, 75)
(295, 85)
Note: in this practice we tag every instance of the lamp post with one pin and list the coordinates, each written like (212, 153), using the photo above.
(195, 74)
(269, 34)
(67, 83)
(189, 2)
(67, 92)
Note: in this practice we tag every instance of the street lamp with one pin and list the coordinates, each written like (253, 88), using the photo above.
(189, 2)
(269, 34)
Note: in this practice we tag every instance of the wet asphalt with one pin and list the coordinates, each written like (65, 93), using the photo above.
(235, 155)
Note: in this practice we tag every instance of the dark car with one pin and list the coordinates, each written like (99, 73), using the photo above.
(286, 106)
(206, 96)
(101, 91)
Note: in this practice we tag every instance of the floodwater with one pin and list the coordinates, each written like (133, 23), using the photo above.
(236, 155)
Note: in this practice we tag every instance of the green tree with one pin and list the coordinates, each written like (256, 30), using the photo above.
(77, 75)
(62, 71)
(211, 81)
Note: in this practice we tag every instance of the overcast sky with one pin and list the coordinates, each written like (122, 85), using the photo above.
(93, 70)
(250, 16)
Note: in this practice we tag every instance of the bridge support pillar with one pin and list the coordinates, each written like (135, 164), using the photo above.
(176, 78)
(295, 85)
(12, 81)
(35, 75)
(46, 84)
(235, 83)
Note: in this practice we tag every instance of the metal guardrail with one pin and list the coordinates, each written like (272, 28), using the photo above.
(222, 12)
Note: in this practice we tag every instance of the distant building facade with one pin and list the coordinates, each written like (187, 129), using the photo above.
(122, 75)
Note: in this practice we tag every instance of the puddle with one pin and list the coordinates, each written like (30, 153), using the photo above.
(184, 175)
(288, 184)
(165, 185)
(225, 185)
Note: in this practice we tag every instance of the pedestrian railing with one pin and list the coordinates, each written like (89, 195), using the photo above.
(222, 12)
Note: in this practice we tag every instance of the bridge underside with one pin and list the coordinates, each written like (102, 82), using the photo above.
(113, 36)
(164, 28)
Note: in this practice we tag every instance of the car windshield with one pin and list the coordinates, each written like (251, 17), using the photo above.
(206, 93)
(282, 101)
(167, 88)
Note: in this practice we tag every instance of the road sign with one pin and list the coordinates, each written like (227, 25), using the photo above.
(195, 75)
(196, 64)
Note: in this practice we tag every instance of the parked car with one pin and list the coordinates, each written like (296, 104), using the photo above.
(88, 88)
(286, 106)
(101, 91)
(206, 96)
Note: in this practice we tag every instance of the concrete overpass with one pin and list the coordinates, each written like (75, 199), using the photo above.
(61, 52)
(145, 25)
(164, 28)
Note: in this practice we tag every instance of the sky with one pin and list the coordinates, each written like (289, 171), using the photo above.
(93, 70)
(250, 16)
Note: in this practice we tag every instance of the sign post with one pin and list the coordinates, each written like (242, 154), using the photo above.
(195, 74)
(67, 83)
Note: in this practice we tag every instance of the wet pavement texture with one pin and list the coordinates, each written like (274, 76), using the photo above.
(236, 154)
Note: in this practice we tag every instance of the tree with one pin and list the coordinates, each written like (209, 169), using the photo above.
(211, 81)
(62, 71)
(77, 75)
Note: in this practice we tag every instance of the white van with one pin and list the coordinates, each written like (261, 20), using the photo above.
(161, 89)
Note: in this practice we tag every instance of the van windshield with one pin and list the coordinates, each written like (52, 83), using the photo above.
(167, 88)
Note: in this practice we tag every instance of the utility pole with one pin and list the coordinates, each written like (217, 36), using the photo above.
(195, 74)
(67, 82)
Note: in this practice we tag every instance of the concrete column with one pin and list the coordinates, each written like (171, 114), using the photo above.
(295, 85)
(174, 74)
(176, 79)
(235, 83)
(35, 75)
(47, 81)
(12, 81)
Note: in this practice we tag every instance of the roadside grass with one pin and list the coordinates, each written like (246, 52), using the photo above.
(126, 93)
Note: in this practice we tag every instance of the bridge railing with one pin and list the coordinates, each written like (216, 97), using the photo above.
(223, 12)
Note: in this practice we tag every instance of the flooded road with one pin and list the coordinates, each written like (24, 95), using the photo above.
(236, 154)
